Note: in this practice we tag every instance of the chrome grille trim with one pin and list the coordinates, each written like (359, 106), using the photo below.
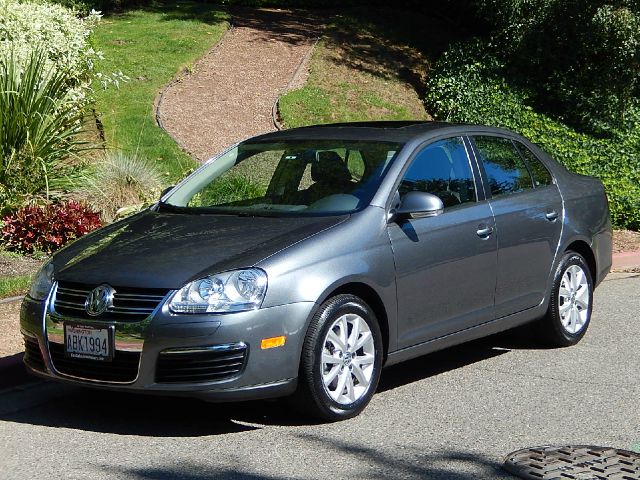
(131, 296)
(210, 348)
(129, 304)
(69, 305)
(215, 363)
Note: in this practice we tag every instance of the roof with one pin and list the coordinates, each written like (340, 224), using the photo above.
(394, 131)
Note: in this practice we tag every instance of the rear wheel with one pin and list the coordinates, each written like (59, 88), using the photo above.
(571, 302)
(341, 359)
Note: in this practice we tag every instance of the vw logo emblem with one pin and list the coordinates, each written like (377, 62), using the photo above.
(99, 299)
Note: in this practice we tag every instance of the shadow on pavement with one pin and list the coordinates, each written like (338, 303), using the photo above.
(12, 371)
(149, 415)
(457, 357)
(438, 465)
(125, 414)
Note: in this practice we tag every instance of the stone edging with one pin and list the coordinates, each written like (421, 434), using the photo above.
(11, 299)
(275, 109)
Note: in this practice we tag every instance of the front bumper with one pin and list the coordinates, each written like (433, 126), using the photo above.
(264, 373)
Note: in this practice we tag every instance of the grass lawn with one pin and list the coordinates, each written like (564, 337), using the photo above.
(368, 66)
(16, 272)
(13, 286)
(150, 46)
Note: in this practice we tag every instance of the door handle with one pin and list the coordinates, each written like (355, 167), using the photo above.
(551, 215)
(484, 231)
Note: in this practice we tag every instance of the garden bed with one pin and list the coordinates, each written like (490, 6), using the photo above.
(626, 241)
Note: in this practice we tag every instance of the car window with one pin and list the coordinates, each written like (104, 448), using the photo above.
(248, 181)
(506, 171)
(442, 169)
(292, 177)
(355, 164)
(541, 175)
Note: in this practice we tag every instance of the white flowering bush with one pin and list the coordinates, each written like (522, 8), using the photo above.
(61, 35)
(47, 66)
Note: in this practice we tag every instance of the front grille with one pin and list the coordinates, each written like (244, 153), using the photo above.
(207, 364)
(33, 355)
(129, 304)
(123, 367)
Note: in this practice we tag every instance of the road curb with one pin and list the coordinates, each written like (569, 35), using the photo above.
(625, 261)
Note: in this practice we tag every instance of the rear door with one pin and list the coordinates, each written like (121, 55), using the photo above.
(527, 207)
(445, 265)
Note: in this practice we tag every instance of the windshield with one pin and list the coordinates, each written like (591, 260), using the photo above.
(320, 177)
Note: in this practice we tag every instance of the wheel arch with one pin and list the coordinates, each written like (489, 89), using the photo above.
(583, 248)
(369, 295)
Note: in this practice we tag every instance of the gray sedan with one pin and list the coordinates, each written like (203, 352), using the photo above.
(299, 263)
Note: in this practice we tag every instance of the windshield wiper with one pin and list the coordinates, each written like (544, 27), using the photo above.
(172, 208)
(201, 210)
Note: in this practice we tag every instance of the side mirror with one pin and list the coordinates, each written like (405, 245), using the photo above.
(165, 191)
(420, 205)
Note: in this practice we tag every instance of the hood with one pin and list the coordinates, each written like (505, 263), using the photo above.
(167, 250)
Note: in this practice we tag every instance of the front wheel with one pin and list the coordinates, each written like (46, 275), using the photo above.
(341, 359)
(571, 302)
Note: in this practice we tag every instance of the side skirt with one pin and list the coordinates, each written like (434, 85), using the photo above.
(467, 335)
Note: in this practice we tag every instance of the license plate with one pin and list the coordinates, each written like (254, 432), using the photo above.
(81, 341)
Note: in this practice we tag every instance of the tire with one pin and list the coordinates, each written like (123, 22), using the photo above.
(571, 302)
(336, 383)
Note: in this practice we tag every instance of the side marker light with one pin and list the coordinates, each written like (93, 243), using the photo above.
(273, 342)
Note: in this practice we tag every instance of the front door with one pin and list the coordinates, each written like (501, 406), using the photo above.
(445, 265)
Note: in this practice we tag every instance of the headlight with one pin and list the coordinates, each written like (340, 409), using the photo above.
(42, 283)
(234, 291)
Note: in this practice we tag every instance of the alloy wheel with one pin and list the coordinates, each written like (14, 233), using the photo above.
(348, 358)
(573, 299)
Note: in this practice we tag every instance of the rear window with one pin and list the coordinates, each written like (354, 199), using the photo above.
(505, 168)
(541, 176)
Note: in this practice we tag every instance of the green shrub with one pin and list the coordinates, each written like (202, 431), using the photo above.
(46, 73)
(37, 130)
(120, 182)
(580, 56)
(466, 86)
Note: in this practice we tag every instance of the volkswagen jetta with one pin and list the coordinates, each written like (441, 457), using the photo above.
(302, 262)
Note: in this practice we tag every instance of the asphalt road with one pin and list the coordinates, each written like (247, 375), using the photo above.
(450, 415)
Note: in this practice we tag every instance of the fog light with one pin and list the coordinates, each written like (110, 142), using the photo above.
(273, 342)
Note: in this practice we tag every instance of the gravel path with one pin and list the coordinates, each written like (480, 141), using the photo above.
(10, 337)
(231, 92)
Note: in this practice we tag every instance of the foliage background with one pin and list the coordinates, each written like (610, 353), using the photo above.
(562, 72)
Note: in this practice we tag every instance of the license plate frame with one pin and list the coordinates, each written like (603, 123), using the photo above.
(89, 342)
